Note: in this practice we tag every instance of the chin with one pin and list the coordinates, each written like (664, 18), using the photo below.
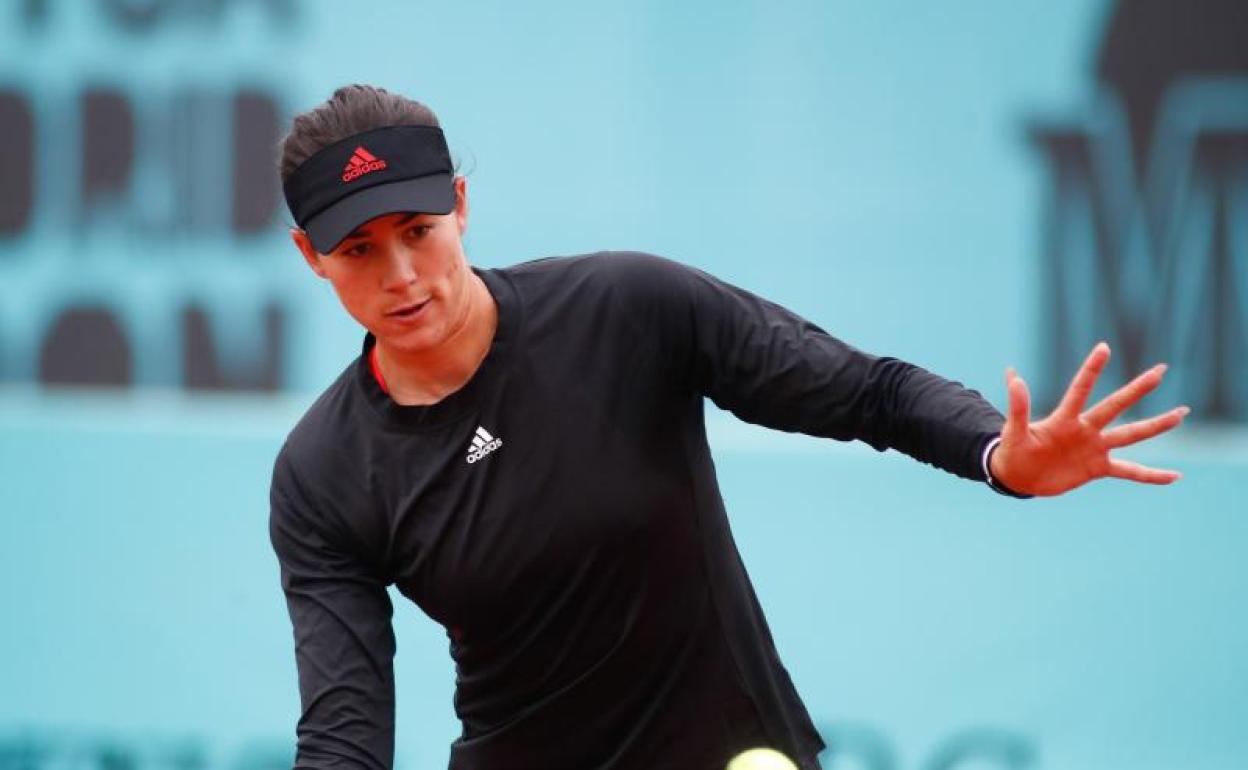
(410, 341)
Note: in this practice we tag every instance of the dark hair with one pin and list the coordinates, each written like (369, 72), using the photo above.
(351, 110)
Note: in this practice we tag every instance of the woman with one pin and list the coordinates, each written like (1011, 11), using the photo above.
(521, 451)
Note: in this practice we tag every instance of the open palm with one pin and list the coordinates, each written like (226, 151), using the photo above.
(1071, 447)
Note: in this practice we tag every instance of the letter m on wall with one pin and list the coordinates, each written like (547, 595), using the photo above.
(1154, 260)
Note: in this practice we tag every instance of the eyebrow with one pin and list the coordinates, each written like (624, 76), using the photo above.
(362, 232)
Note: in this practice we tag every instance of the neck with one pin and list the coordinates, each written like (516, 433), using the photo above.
(427, 376)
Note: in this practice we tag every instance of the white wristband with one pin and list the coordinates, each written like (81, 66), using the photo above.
(993, 483)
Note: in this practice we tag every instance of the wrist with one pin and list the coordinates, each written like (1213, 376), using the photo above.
(992, 472)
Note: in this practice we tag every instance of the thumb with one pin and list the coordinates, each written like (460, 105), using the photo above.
(1019, 415)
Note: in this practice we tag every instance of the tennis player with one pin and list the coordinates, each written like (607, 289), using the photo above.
(521, 451)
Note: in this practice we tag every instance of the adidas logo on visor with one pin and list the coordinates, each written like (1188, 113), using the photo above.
(482, 444)
(362, 162)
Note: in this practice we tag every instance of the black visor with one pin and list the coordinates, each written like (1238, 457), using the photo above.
(383, 171)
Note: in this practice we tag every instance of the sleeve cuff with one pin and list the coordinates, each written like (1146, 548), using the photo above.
(993, 484)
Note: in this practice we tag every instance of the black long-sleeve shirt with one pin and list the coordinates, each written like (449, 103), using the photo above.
(560, 516)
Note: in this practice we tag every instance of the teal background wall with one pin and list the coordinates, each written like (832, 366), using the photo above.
(865, 164)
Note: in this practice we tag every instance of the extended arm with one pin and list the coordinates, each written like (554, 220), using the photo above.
(772, 367)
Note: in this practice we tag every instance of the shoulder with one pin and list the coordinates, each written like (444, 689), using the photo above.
(629, 275)
(628, 265)
(322, 437)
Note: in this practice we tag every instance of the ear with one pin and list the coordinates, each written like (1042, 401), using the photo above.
(310, 255)
(461, 204)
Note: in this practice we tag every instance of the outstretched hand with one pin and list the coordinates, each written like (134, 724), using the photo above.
(1071, 447)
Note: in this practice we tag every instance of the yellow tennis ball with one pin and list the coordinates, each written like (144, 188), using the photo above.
(761, 759)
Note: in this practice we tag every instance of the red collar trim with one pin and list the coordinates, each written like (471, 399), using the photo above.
(372, 364)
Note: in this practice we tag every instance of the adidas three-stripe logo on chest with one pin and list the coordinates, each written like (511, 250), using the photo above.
(482, 444)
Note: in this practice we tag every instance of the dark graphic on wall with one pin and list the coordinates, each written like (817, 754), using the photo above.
(130, 199)
(1146, 227)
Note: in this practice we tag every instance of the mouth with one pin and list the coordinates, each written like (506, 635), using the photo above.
(407, 312)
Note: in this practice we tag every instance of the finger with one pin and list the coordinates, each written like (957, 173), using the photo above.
(1019, 415)
(1120, 400)
(1084, 381)
(1126, 435)
(1125, 469)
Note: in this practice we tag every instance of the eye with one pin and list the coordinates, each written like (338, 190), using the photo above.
(419, 231)
(356, 250)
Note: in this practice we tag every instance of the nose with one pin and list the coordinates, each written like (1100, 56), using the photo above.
(400, 270)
